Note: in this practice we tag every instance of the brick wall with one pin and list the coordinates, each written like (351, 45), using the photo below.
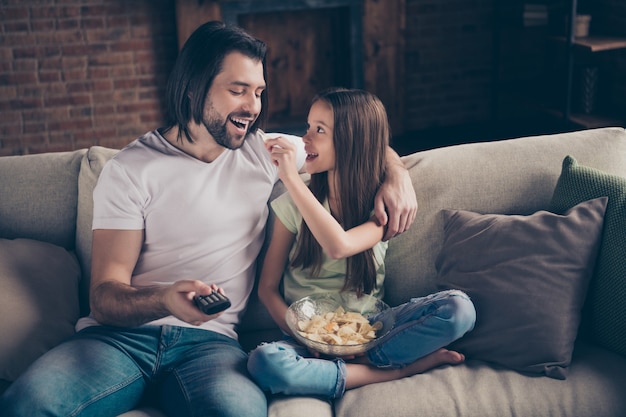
(81, 73)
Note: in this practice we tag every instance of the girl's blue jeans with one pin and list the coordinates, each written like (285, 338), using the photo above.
(422, 326)
(104, 371)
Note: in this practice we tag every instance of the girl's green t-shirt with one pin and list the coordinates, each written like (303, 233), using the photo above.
(297, 282)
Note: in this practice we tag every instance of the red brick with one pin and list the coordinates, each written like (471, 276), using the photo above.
(68, 24)
(95, 22)
(17, 26)
(113, 58)
(97, 72)
(14, 13)
(34, 128)
(133, 45)
(43, 12)
(74, 62)
(68, 100)
(69, 125)
(117, 22)
(10, 130)
(21, 78)
(70, 76)
(103, 110)
(23, 65)
(76, 112)
(122, 71)
(78, 87)
(156, 119)
(128, 83)
(42, 25)
(96, 10)
(9, 117)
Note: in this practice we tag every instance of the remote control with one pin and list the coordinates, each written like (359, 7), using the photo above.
(212, 303)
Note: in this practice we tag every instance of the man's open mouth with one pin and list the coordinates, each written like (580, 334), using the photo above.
(239, 123)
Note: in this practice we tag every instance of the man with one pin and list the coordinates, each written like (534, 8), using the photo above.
(179, 212)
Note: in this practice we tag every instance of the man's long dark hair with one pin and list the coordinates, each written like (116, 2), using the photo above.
(199, 61)
(361, 136)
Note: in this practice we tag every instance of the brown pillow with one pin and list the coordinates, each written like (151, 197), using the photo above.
(527, 277)
(38, 301)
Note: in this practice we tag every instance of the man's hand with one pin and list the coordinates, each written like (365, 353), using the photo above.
(178, 299)
(395, 205)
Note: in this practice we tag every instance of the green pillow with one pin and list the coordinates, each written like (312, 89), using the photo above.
(605, 310)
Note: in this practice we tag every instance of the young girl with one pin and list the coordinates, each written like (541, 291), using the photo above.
(326, 239)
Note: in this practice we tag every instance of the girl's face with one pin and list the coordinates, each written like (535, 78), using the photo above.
(318, 140)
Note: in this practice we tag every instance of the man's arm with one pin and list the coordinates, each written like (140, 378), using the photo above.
(115, 302)
(395, 204)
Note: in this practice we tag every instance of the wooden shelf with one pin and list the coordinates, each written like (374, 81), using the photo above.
(597, 43)
(590, 121)
(587, 121)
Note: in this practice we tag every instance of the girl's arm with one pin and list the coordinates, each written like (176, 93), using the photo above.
(272, 272)
(336, 242)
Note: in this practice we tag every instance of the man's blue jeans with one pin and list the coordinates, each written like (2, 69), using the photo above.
(422, 326)
(106, 371)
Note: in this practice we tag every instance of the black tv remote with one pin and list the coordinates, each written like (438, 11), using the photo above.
(212, 303)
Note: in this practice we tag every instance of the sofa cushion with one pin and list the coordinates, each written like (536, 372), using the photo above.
(594, 388)
(606, 306)
(38, 197)
(38, 301)
(290, 406)
(527, 276)
(90, 168)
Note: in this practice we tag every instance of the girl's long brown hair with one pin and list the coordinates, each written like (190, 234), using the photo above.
(361, 137)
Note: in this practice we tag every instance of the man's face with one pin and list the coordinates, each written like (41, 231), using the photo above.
(233, 102)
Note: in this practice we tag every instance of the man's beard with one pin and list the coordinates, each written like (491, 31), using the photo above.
(216, 126)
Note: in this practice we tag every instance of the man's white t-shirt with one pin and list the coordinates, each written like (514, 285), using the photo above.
(201, 220)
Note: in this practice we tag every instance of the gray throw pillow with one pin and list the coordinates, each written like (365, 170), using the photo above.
(527, 277)
(38, 301)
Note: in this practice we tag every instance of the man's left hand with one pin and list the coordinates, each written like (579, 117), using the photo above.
(396, 204)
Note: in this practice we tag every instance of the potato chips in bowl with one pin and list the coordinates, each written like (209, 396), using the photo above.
(338, 324)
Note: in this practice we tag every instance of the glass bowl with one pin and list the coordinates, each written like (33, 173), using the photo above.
(320, 304)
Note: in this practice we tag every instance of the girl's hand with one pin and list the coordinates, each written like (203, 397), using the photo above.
(283, 154)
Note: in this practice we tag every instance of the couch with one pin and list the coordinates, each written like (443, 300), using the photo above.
(45, 237)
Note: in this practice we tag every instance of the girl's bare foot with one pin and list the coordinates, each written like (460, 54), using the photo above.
(359, 372)
(439, 357)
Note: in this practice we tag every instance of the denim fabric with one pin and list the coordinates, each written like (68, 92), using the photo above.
(106, 371)
(286, 367)
(422, 326)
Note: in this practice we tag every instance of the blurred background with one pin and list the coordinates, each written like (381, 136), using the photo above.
(77, 73)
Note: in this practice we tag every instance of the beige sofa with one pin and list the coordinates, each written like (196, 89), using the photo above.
(45, 214)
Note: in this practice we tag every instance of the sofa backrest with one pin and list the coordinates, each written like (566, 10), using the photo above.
(91, 166)
(38, 197)
(515, 176)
